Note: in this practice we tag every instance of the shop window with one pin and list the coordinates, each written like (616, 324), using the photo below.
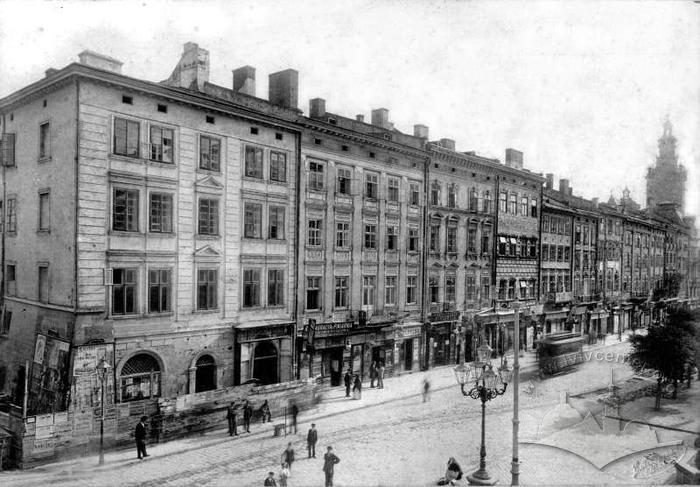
(139, 378)
(205, 374)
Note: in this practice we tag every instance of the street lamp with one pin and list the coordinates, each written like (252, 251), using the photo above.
(487, 384)
(102, 369)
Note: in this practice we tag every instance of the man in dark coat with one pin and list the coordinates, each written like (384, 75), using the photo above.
(288, 456)
(372, 373)
(348, 381)
(295, 413)
(231, 417)
(140, 435)
(247, 414)
(329, 461)
(380, 375)
(270, 480)
(311, 439)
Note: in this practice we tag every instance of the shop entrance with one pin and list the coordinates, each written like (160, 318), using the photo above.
(265, 363)
(408, 354)
(333, 365)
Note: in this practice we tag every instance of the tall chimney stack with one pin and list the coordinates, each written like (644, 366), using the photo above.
(447, 144)
(317, 108)
(550, 181)
(192, 71)
(284, 88)
(360, 118)
(244, 80)
(380, 118)
(421, 131)
(564, 186)
(514, 158)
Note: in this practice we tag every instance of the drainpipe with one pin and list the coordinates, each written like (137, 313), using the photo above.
(295, 308)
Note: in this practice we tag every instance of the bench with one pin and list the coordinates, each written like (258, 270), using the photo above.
(279, 427)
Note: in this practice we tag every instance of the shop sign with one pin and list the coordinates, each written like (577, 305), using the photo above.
(444, 316)
(331, 329)
(269, 332)
(409, 332)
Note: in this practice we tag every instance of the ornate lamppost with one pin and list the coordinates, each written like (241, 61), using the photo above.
(102, 369)
(486, 384)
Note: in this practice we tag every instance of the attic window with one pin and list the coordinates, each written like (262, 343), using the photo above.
(371, 155)
(129, 100)
(278, 135)
(162, 108)
(210, 119)
(387, 136)
(332, 121)
(44, 103)
(344, 148)
(318, 141)
(254, 130)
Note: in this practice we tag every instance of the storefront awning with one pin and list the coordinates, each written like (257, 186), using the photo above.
(560, 314)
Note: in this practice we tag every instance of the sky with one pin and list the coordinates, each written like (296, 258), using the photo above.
(582, 88)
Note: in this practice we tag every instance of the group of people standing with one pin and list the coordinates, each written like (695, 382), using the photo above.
(247, 415)
(376, 374)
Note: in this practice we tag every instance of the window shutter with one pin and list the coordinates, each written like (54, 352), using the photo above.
(8, 150)
(107, 275)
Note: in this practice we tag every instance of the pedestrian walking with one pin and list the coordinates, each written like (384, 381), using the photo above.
(140, 435)
(348, 380)
(284, 475)
(311, 439)
(231, 418)
(288, 456)
(295, 413)
(372, 373)
(265, 411)
(426, 389)
(247, 414)
(270, 480)
(380, 376)
(329, 461)
(357, 388)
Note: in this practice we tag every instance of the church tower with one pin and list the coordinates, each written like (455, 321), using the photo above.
(666, 179)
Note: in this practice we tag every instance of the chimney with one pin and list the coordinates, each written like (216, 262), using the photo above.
(284, 88)
(514, 158)
(550, 181)
(50, 72)
(192, 71)
(420, 131)
(564, 186)
(100, 61)
(244, 80)
(447, 144)
(380, 118)
(360, 118)
(317, 108)
(571, 191)
(595, 202)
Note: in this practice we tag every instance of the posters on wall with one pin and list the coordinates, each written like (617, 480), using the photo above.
(49, 385)
(87, 383)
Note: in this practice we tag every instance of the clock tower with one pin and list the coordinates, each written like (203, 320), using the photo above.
(666, 179)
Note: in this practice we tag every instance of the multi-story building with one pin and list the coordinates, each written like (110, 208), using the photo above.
(360, 244)
(461, 189)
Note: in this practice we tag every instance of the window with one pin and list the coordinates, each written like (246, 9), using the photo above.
(161, 213)
(502, 289)
(208, 217)
(502, 245)
(486, 240)
(471, 239)
(585, 235)
(412, 239)
(393, 189)
(254, 162)
(435, 194)
(314, 235)
(452, 239)
(523, 205)
(577, 234)
(129, 100)
(342, 234)
(450, 288)
(5, 329)
(162, 108)
(10, 279)
(434, 290)
(567, 254)
(252, 220)
(473, 199)
(254, 130)
(341, 291)
(545, 223)
(209, 119)
(523, 290)
(434, 238)
(344, 179)
(533, 208)
(207, 288)
(545, 252)
(511, 289)
(368, 290)
(44, 141)
(315, 176)
(313, 292)
(124, 291)
(487, 202)
(370, 185)
(503, 202)
(452, 196)
(161, 145)
(485, 288)
(532, 248)
(126, 137)
(159, 285)
(411, 289)
(513, 204)
(44, 212)
(390, 290)
(415, 194)
(370, 236)
(470, 287)
(275, 287)
(125, 210)
(392, 236)
(209, 153)
(276, 223)
(140, 378)
(251, 288)
(43, 284)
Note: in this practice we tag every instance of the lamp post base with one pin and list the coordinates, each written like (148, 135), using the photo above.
(481, 477)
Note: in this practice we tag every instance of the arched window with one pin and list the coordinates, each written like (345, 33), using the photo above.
(205, 375)
(139, 378)
(265, 363)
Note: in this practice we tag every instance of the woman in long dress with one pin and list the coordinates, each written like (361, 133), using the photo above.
(357, 388)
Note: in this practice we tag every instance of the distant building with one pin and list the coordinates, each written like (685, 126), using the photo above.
(666, 179)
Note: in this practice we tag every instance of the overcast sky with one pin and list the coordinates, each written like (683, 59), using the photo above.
(581, 88)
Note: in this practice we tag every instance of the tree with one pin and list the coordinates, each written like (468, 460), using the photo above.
(667, 349)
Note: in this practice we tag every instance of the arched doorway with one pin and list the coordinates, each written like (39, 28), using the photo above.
(205, 375)
(139, 378)
(265, 363)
